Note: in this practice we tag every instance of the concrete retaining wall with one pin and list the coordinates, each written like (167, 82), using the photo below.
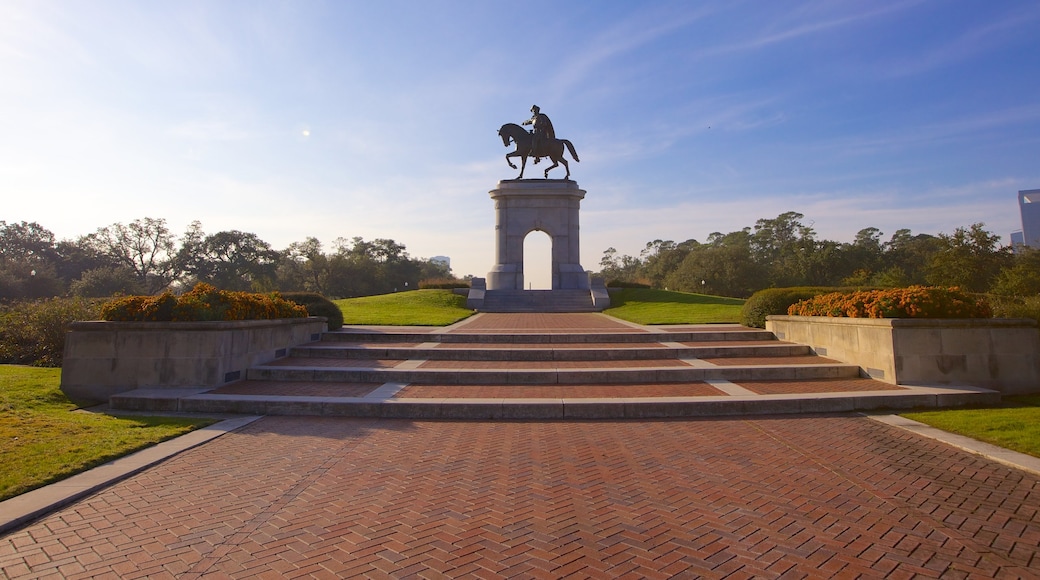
(999, 354)
(106, 358)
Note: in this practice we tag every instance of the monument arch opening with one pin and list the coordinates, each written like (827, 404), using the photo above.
(538, 247)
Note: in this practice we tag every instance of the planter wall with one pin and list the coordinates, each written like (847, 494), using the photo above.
(105, 358)
(999, 354)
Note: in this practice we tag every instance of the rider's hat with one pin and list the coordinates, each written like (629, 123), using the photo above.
(535, 109)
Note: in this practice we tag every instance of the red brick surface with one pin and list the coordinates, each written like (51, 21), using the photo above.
(550, 364)
(334, 363)
(766, 497)
(553, 346)
(297, 388)
(543, 323)
(771, 360)
(817, 386)
(557, 391)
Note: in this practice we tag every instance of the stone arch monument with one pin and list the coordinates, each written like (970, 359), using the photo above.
(524, 206)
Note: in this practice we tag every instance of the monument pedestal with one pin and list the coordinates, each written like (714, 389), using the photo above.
(547, 205)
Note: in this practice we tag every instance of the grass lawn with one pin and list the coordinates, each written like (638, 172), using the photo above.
(413, 308)
(42, 439)
(1014, 425)
(646, 306)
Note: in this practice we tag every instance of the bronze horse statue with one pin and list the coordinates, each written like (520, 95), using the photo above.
(551, 148)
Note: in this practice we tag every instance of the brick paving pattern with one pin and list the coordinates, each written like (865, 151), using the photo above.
(810, 359)
(296, 388)
(835, 496)
(333, 363)
(543, 323)
(553, 346)
(549, 364)
(558, 391)
(816, 386)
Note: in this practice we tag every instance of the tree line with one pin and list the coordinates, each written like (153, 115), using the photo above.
(785, 252)
(146, 257)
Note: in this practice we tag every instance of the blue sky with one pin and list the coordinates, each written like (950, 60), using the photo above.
(379, 119)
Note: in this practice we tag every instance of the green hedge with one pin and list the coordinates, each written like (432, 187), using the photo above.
(33, 333)
(442, 284)
(317, 305)
(772, 301)
(624, 284)
(1015, 306)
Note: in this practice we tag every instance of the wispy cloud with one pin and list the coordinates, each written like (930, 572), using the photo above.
(645, 26)
(768, 38)
(966, 127)
(976, 40)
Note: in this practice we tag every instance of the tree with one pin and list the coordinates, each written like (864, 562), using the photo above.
(722, 266)
(907, 257)
(863, 256)
(106, 281)
(661, 258)
(145, 247)
(304, 267)
(27, 262)
(1021, 277)
(231, 260)
(783, 246)
(614, 267)
(969, 258)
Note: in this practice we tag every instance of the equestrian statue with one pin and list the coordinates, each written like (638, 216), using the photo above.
(540, 142)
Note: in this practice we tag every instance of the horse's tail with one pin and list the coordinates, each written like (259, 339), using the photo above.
(570, 148)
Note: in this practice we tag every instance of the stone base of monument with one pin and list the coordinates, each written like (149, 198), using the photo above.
(544, 205)
(593, 299)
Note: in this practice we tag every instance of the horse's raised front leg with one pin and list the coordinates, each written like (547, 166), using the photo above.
(556, 163)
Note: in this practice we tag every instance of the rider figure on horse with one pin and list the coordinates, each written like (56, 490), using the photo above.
(542, 131)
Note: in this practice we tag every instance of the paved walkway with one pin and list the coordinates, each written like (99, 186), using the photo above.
(823, 496)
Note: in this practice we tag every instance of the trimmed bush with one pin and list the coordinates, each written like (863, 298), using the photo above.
(1015, 306)
(773, 301)
(442, 284)
(624, 284)
(202, 303)
(33, 333)
(912, 302)
(317, 305)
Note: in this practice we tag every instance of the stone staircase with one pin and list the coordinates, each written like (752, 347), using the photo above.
(613, 371)
(538, 301)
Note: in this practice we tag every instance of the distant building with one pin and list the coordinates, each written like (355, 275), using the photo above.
(1029, 206)
(1018, 240)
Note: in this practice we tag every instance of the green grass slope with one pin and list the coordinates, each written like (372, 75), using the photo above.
(414, 308)
(1014, 425)
(646, 306)
(43, 439)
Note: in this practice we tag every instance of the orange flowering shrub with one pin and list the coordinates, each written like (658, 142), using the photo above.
(912, 302)
(202, 303)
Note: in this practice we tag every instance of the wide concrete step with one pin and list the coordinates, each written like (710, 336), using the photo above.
(547, 353)
(551, 376)
(198, 401)
(407, 336)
